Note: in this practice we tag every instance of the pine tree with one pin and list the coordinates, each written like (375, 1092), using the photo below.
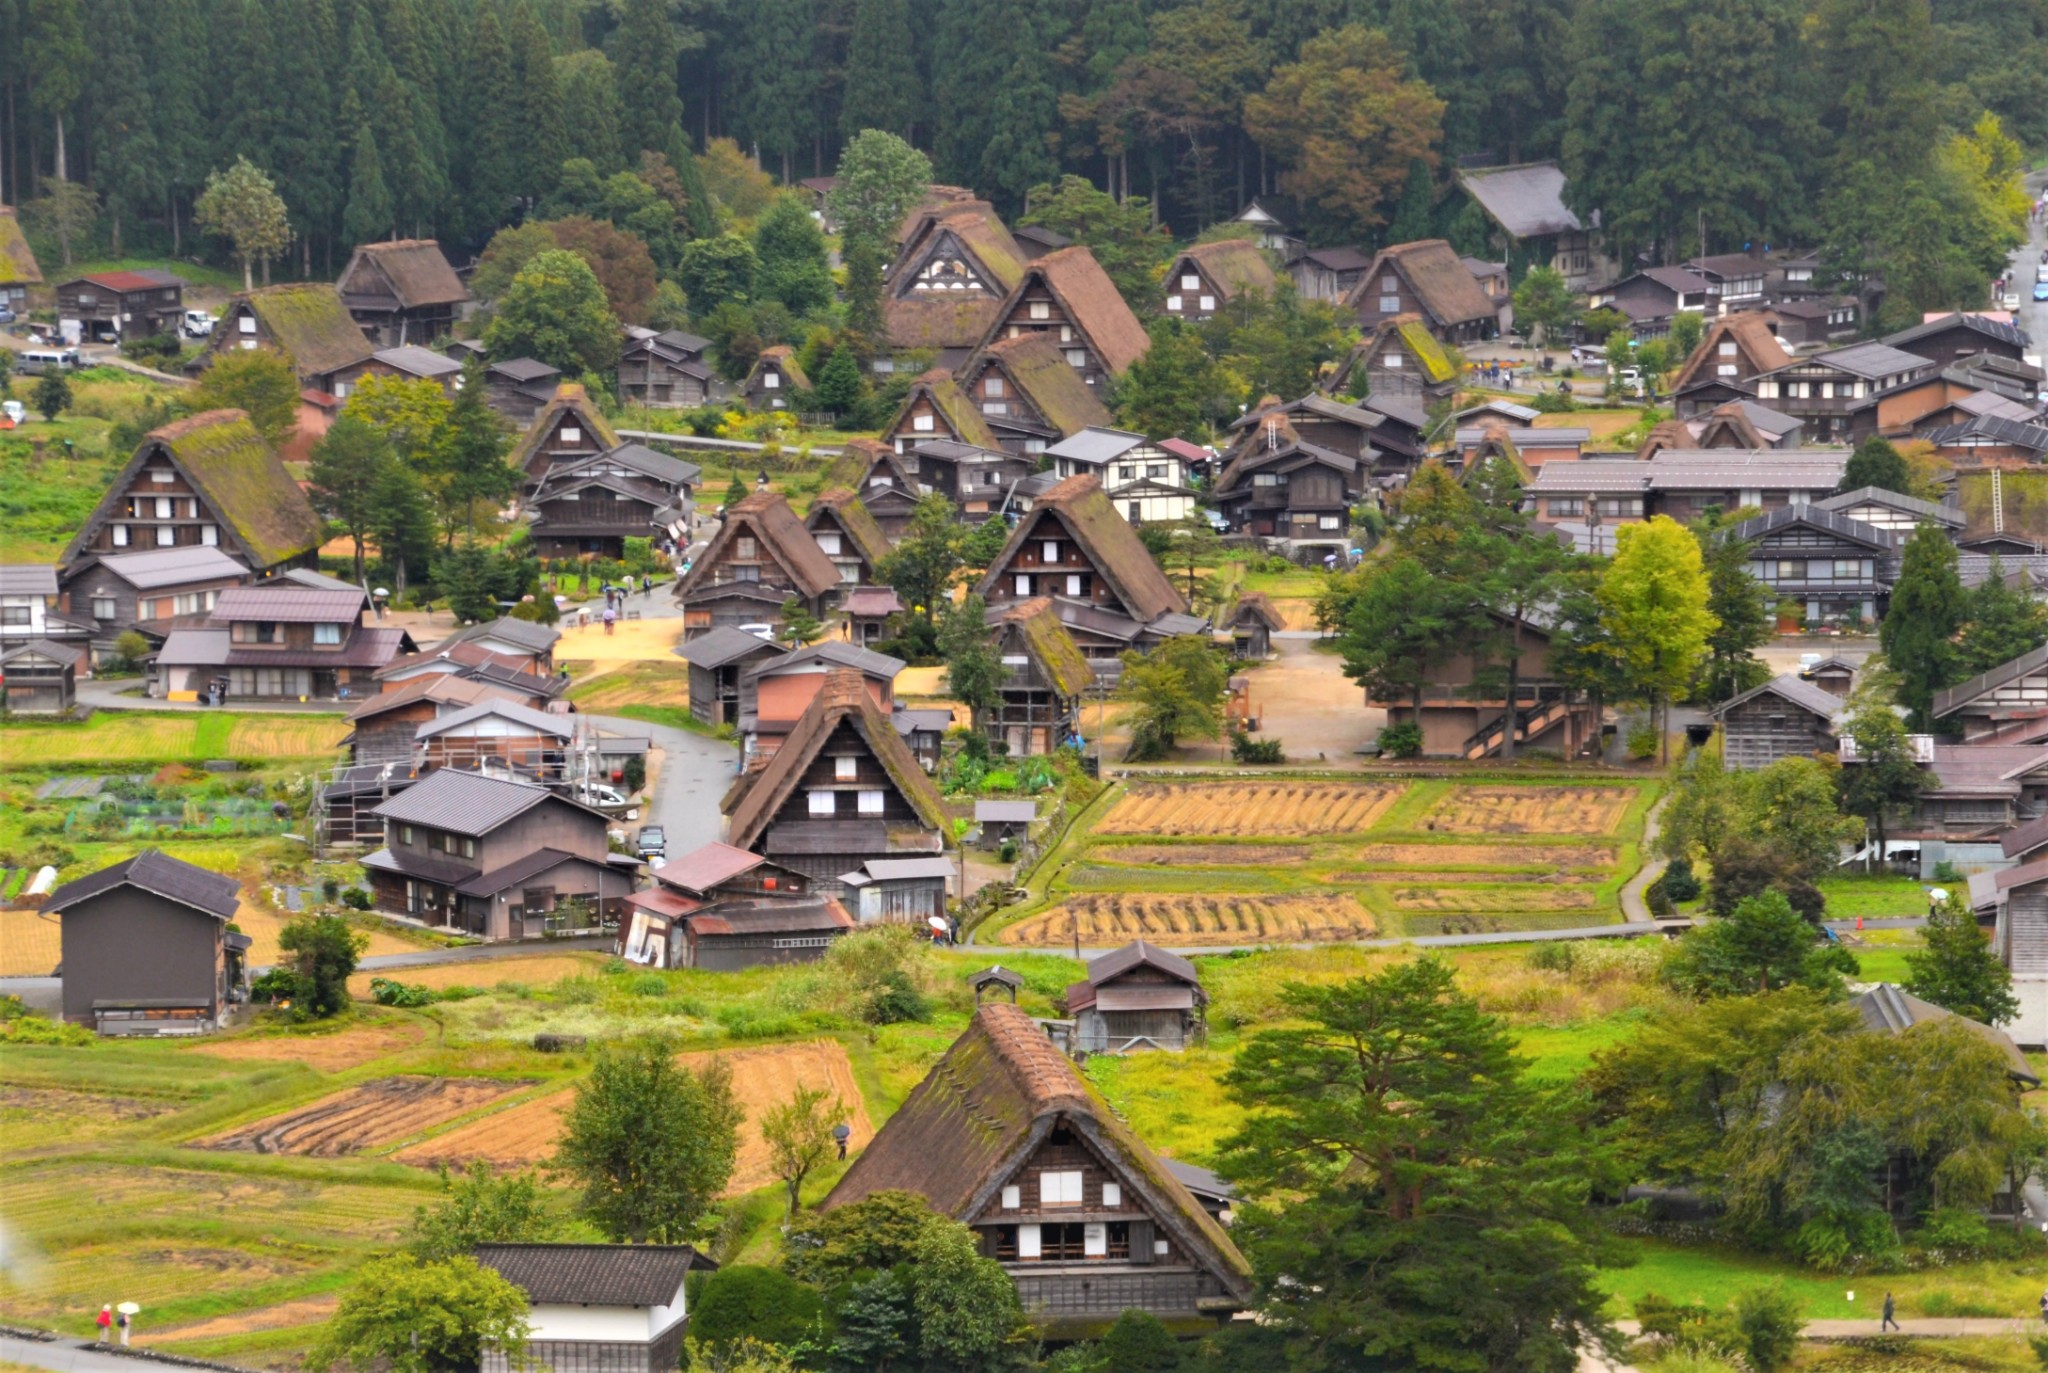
(2003, 622)
(863, 261)
(1413, 217)
(774, 85)
(491, 141)
(311, 148)
(700, 210)
(1876, 463)
(1956, 968)
(840, 387)
(590, 110)
(178, 93)
(368, 217)
(470, 455)
(644, 54)
(128, 169)
(881, 71)
(543, 139)
(1918, 633)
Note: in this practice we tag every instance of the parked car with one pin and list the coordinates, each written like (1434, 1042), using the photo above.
(653, 842)
(2041, 290)
(608, 799)
(199, 323)
(2011, 301)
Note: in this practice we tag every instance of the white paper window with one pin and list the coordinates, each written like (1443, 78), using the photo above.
(104, 608)
(1015, 660)
(992, 386)
(1727, 350)
(1077, 357)
(1060, 1189)
(921, 423)
(845, 768)
(1027, 1242)
(327, 634)
(828, 542)
(1023, 584)
(160, 474)
(1208, 302)
(1112, 1195)
(247, 324)
(824, 802)
(1328, 522)
(341, 390)
(1095, 1240)
(1041, 309)
(1390, 305)
(1013, 1198)
(1726, 369)
(166, 536)
(1190, 282)
(1074, 587)
(1049, 550)
(1161, 1247)
(164, 508)
(771, 381)
(1066, 333)
(871, 803)
(120, 536)
(1173, 302)
(571, 434)
(1391, 358)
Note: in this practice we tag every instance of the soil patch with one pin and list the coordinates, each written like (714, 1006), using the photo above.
(327, 1053)
(1511, 899)
(529, 969)
(41, 1104)
(1531, 810)
(363, 1117)
(762, 1079)
(305, 1311)
(1440, 856)
(1277, 808)
(1388, 879)
(1196, 855)
(1116, 918)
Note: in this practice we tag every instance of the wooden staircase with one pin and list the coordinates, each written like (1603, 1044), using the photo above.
(1536, 720)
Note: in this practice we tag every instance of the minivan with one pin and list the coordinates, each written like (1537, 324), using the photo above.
(39, 360)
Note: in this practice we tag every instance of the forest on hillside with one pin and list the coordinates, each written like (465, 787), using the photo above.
(1860, 125)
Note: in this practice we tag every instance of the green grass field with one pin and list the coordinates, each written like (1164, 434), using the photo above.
(44, 500)
(157, 737)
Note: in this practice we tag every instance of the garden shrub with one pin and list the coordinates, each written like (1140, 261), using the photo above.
(1401, 741)
(1246, 749)
(1679, 881)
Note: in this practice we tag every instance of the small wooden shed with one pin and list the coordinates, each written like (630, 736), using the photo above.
(899, 891)
(1139, 997)
(1252, 625)
(41, 677)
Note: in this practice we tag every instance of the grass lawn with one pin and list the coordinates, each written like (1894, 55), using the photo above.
(157, 737)
(1874, 898)
(42, 503)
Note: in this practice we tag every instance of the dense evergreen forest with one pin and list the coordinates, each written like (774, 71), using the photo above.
(1687, 126)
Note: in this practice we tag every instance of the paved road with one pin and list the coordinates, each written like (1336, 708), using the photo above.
(2032, 315)
(695, 772)
(65, 1356)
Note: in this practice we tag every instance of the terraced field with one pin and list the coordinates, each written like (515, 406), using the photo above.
(1202, 864)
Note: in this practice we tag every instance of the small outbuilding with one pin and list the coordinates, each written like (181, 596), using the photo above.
(146, 947)
(1252, 626)
(1139, 997)
(996, 981)
(1786, 717)
(900, 891)
(1000, 820)
(735, 935)
(41, 677)
(598, 1308)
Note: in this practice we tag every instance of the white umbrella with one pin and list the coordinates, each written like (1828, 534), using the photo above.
(1937, 894)
(935, 922)
(129, 1308)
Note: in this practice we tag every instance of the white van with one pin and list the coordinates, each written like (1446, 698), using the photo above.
(36, 361)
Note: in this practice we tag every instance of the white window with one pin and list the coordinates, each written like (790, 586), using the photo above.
(771, 381)
(166, 536)
(1041, 309)
(1190, 282)
(1726, 369)
(824, 802)
(1112, 1195)
(247, 324)
(828, 542)
(1013, 1197)
(1049, 550)
(161, 474)
(1329, 522)
(1390, 305)
(1208, 302)
(1392, 358)
(1173, 302)
(1161, 1247)
(120, 536)
(871, 803)
(992, 386)
(1095, 1240)
(1015, 660)
(1075, 586)
(164, 508)
(1023, 584)
(1077, 357)
(845, 768)
(571, 434)
(1066, 333)
(104, 608)
(1727, 350)
(1390, 282)
(327, 634)
(1027, 1242)
(1060, 1189)
(921, 423)
(341, 390)
(405, 834)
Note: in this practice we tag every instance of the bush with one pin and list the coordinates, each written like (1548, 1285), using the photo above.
(1246, 749)
(1946, 872)
(1679, 881)
(355, 898)
(895, 1001)
(279, 984)
(1006, 852)
(33, 1029)
(152, 350)
(742, 1300)
(1767, 1327)
(1402, 740)
(385, 992)
(1642, 741)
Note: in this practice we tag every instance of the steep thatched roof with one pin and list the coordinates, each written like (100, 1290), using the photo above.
(938, 320)
(1046, 640)
(782, 358)
(1436, 274)
(17, 260)
(843, 507)
(1047, 381)
(1105, 538)
(767, 517)
(312, 326)
(569, 396)
(1090, 301)
(1751, 334)
(985, 1109)
(1257, 605)
(843, 699)
(1232, 265)
(241, 479)
(953, 405)
(416, 268)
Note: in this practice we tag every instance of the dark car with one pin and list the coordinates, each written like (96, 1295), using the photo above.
(653, 842)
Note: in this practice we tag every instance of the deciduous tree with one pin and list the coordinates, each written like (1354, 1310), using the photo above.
(974, 669)
(322, 951)
(409, 1315)
(1124, 236)
(1876, 463)
(799, 1137)
(1176, 692)
(1174, 390)
(1742, 618)
(242, 206)
(1762, 946)
(482, 1207)
(347, 462)
(1956, 968)
(790, 249)
(1654, 601)
(921, 568)
(719, 271)
(1544, 303)
(2001, 623)
(1884, 781)
(257, 381)
(880, 179)
(555, 311)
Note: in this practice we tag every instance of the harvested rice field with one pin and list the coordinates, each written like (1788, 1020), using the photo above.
(379, 1112)
(1436, 901)
(1531, 810)
(1098, 919)
(1446, 857)
(1196, 855)
(326, 1053)
(34, 1116)
(1279, 809)
(526, 969)
(762, 1079)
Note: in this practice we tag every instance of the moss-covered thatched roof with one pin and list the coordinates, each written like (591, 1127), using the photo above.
(312, 326)
(1047, 642)
(17, 260)
(1046, 381)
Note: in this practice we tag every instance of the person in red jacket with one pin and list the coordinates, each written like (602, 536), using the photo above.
(105, 1321)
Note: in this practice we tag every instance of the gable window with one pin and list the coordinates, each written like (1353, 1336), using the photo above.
(1077, 357)
(1049, 550)
(1390, 282)
(166, 536)
(120, 536)
(1022, 584)
(824, 802)
(1061, 1188)
(1390, 305)
(921, 423)
(1013, 1197)
(1726, 369)
(992, 386)
(1208, 302)
(1112, 1195)
(164, 508)
(845, 768)
(995, 407)
(1190, 282)
(1041, 309)
(1077, 585)
(103, 608)
(326, 633)
(828, 542)
(1727, 350)
(246, 324)
(1066, 333)
(571, 434)
(161, 474)
(1392, 358)
(871, 803)
(744, 547)
(771, 381)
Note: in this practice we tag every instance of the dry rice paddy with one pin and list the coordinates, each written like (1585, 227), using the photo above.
(373, 1113)
(1279, 809)
(1196, 855)
(1099, 918)
(1443, 856)
(528, 969)
(326, 1053)
(1531, 810)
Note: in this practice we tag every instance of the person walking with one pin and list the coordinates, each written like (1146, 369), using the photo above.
(1887, 1320)
(122, 1321)
(610, 617)
(105, 1321)
(2044, 1306)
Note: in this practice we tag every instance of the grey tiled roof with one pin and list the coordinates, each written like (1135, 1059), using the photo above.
(465, 802)
(1791, 687)
(1526, 200)
(155, 871)
(172, 566)
(594, 1274)
(28, 579)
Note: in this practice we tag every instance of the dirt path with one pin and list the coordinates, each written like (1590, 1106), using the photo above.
(1304, 700)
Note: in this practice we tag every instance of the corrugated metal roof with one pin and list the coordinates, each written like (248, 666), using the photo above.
(540, 722)
(420, 362)
(27, 579)
(172, 566)
(700, 870)
(465, 802)
(723, 645)
(831, 653)
(904, 869)
(1790, 686)
(289, 604)
(1525, 200)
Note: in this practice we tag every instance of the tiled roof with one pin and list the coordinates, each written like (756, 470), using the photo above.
(420, 362)
(1841, 526)
(1905, 505)
(289, 605)
(156, 872)
(725, 644)
(832, 653)
(1139, 954)
(524, 634)
(1790, 686)
(1948, 702)
(28, 579)
(498, 708)
(1994, 329)
(701, 869)
(520, 871)
(594, 1274)
(465, 802)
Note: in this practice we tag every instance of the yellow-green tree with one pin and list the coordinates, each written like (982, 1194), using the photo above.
(1653, 602)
